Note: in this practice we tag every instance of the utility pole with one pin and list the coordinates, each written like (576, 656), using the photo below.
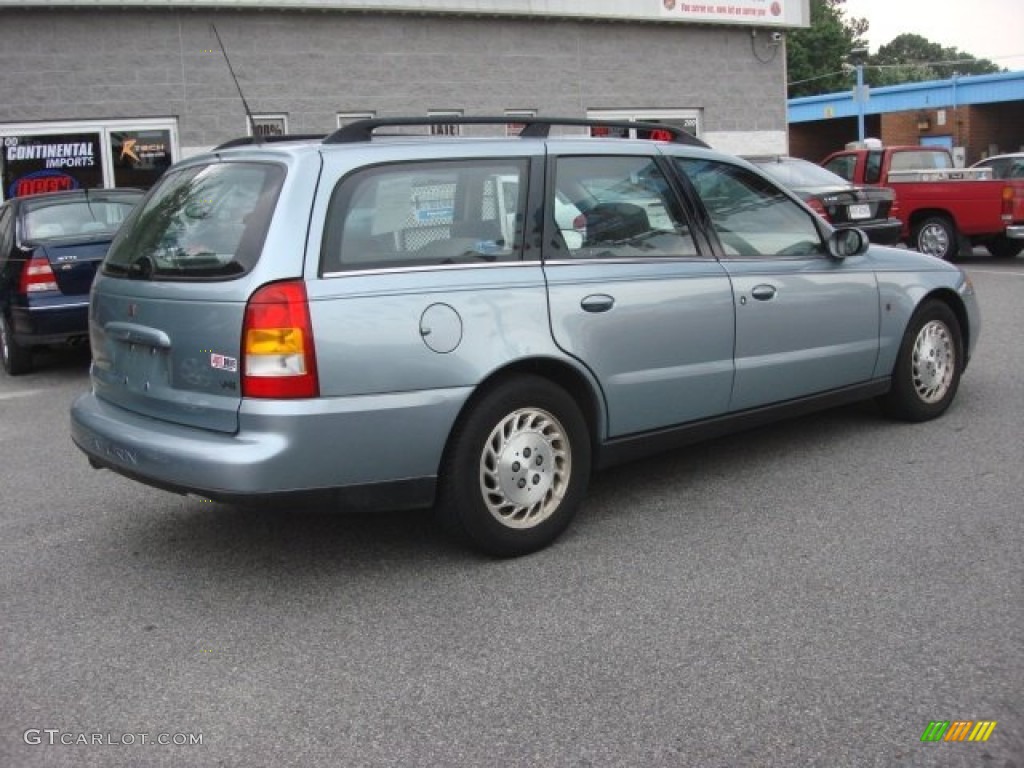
(859, 94)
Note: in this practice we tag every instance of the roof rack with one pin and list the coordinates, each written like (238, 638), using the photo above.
(243, 141)
(533, 127)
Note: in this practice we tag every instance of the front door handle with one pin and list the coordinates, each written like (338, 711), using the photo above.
(763, 292)
(598, 302)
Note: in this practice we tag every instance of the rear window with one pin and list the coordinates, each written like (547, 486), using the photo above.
(917, 160)
(800, 173)
(844, 166)
(80, 219)
(201, 222)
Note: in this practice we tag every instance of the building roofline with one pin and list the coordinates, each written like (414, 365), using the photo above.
(927, 94)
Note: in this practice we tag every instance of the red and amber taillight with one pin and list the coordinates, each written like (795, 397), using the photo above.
(1007, 210)
(37, 276)
(278, 358)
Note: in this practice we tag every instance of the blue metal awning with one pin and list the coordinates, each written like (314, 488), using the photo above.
(930, 94)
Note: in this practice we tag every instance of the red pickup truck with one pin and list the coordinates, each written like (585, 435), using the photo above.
(945, 210)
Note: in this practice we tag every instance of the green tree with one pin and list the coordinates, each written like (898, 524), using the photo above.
(911, 58)
(816, 57)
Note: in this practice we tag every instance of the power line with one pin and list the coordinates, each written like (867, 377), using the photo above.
(904, 65)
(818, 77)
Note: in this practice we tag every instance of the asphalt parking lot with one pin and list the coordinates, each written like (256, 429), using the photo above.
(812, 593)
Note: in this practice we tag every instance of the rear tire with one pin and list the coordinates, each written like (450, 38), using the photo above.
(15, 358)
(516, 468)
(928, 367)
(937, 236)
(1004, 248)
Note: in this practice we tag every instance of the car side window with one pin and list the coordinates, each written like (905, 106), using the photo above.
(750, 215)
(999, 169)
(425, 214)
(616, 207)
(873, 168)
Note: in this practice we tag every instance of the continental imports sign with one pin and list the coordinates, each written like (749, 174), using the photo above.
(52, 163)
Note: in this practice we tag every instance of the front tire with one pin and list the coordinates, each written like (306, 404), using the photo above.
(516, 468)
(928, 367)
(15, 358)
(937, 236)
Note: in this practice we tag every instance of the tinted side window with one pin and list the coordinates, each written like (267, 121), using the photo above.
(873, 168)
(426, 213)
(751, 216)
(617, 207)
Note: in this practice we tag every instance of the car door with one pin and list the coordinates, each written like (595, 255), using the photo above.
(806, 323)
(632, 292)
(422, 281)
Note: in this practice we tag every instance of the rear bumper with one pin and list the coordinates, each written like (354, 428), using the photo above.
(377, 451)
(1015, 232)
(883, 233)
(50, 322)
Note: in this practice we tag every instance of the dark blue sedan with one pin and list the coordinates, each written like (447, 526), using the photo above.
(50, 246)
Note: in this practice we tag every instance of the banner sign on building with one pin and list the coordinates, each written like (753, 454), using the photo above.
(762, 13)
(733, 11)
(139, 157)
(53, 163)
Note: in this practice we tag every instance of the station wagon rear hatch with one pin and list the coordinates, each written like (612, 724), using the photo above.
(167, 309)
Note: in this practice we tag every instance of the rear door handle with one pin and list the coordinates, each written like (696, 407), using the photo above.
(598, 302)
(763, 292)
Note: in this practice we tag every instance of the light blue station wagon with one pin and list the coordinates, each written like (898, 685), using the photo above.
(478, 323)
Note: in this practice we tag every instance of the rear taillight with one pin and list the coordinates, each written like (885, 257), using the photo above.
(36, 276)
(278, 359)
(818, 208)
(1007, 211)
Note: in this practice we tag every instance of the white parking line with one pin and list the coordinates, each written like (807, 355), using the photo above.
(12, 395)
(995, 272)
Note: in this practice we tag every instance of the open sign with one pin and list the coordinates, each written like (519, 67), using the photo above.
(40, 182)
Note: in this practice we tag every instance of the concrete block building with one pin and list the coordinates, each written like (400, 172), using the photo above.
(109, 93)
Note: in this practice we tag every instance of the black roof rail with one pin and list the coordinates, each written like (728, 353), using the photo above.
(533, 127)
(243, 141)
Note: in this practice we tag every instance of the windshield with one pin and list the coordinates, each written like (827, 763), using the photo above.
(205, 221)
(800, 173)
(79, 218)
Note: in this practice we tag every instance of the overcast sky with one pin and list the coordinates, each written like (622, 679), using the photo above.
(986, 29)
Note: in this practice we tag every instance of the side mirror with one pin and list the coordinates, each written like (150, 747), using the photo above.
(846, 242)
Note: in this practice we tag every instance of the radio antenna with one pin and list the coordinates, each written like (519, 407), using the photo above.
(248, 112)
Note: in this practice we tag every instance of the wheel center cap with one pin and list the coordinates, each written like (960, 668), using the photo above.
(525, 469)
(932, 365)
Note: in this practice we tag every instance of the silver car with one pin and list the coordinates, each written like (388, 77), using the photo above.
(412, 321)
